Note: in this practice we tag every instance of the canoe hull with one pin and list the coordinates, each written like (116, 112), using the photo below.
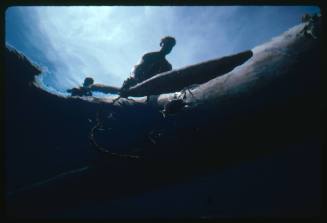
(176, 80)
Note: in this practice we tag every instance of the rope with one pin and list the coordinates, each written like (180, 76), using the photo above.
(102, 149)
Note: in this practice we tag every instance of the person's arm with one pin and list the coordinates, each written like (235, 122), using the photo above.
(165, 66)
(74, 91)
(169, 67)
(139, 69)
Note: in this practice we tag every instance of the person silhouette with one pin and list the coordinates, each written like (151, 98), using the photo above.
(85, 90)
(151, 63)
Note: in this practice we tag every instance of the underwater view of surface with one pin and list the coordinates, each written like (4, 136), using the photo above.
(219, 153)
(71, 43)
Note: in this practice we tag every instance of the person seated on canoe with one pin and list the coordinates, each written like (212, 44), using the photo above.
(151, 64)
(85, 90)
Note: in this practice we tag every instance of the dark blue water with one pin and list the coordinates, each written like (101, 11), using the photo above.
(246, 160)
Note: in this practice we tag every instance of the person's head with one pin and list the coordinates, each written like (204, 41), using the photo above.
(167, 43)
(88, 81)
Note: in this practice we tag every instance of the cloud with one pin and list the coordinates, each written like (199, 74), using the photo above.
(105, 42)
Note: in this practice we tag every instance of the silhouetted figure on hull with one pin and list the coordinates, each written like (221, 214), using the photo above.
(89, 86)
(85, 90)
(151, 64)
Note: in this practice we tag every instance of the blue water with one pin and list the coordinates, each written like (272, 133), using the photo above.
(286, 184)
